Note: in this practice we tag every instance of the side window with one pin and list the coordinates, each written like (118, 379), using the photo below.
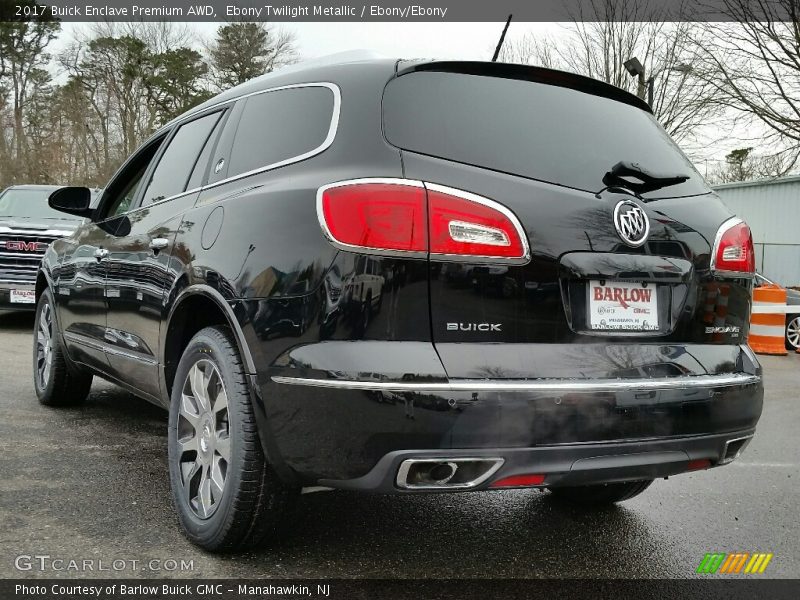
(172, 173)
(200, 165)
(121, 191)
(281, 125)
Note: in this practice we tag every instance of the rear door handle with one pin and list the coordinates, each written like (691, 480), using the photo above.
(157, 244)
(100, 253)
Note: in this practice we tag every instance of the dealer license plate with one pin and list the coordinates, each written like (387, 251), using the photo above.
(23, 296)
(623, 306)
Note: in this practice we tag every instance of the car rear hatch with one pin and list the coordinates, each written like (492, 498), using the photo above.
(594, 295)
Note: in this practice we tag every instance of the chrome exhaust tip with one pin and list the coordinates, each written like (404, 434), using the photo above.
(450, 473)
(733, 448)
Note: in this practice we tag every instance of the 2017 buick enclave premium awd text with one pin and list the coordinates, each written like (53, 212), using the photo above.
(407, 277)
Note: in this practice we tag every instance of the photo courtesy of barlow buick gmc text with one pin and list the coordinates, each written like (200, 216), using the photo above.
(452, 300)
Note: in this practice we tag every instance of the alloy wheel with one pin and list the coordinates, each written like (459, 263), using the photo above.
(793, 332)
(203, 438)
(44, 346)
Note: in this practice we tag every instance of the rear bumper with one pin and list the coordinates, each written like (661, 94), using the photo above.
(5, 295)
(353, 432)
(564, 465)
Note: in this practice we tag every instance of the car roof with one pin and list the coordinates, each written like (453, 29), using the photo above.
(327, 68)
(310, 71)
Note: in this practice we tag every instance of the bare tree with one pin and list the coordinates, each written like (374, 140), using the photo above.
(752, 63)
(743, 164)
(604, 34)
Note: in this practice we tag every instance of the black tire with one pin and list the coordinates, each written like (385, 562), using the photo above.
(60, 384)
(792, 331)
(254, 505)
(600, 495)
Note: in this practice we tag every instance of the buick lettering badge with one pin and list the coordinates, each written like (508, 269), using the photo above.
(632, 223)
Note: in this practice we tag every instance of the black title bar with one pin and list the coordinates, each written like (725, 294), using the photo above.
(223, 11)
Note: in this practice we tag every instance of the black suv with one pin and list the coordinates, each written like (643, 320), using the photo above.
(279, 268)
(27, 226)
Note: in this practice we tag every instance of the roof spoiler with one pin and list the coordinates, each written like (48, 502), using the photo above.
(527, 73)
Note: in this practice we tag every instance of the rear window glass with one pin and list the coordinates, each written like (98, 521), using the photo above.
(534, 130)
(281, 125)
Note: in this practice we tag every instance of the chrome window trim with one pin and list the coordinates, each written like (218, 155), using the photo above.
(539, 385)
(327, 142)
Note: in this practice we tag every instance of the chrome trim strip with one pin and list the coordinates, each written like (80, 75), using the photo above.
(405, 467)
(35, 233)
(36, 254)
(83, 340)
(105, 348)
(539, 385)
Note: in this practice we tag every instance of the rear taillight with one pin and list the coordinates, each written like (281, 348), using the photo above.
(376, 214)
(733, 248)
(410, 217)
(463, 224)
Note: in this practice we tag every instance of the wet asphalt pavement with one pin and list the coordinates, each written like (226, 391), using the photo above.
(91, 484)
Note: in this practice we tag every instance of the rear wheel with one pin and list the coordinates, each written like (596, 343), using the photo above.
(600, 495)
(57, 382)
(793, 332)
(227, 495)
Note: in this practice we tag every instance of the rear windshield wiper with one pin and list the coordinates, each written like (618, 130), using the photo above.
(634, 177)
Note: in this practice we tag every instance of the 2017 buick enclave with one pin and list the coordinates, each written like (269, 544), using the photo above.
(408, 277)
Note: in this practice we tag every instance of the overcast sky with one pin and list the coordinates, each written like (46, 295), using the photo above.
(469, 41)
(474, 41)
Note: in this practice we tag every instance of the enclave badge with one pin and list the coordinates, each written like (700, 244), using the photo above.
(631, 223)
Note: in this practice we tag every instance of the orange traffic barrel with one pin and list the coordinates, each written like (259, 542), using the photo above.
(767, 329)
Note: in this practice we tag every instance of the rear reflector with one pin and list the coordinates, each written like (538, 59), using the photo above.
(733, 248)
(519, 481)
(698, 464)
(407, 216)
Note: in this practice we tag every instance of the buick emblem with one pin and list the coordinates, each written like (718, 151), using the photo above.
(632, 223)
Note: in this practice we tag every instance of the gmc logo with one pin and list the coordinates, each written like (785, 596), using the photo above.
(25, 246)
